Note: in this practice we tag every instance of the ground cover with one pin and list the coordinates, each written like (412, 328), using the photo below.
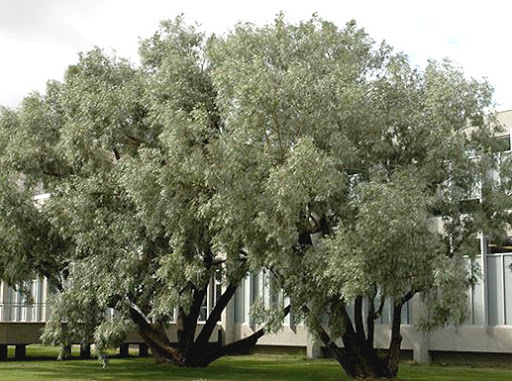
(234, 368)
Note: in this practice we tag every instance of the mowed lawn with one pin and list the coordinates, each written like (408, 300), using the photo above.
(235, 368)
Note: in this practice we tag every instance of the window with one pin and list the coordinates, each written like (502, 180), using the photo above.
(213, 294)
(499, 282)
(502, 143)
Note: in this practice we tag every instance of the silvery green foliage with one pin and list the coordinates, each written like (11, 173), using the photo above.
(112, 333)
(271, 316)
(338, 158)
(322, 156)
(125, 153)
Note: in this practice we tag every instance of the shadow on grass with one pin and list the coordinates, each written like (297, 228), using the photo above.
(234, 368)
(238, 368)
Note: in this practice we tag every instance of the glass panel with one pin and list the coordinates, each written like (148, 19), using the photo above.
(469, 297)
(504, 246)
(218, 285)
(11, 311)
(405, 314)
(255, 287)
(386, 312)
(494, 290)
(508, 289)
(203, 312)
(42, 301)
(287, 319)
(275, 292)
(17, 309)
(350, 310)
(502, 143)
(478, 301)
(239, 303)
(247, 298)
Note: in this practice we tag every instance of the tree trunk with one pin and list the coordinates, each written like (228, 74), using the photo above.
(358, 357)
(191, 351)
(215, 315)
(156, 339)
(187, 323)
(393, 356)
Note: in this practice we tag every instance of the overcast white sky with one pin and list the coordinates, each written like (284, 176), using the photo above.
(40, 38)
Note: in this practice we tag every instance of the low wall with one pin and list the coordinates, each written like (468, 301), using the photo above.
(17, 333)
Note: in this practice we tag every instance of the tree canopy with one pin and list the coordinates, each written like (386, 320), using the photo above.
(126, 155)
(363, 179)
(304, 149)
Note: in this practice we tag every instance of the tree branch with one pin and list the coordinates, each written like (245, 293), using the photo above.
(186, 328)
(204, 336)
(218, 261)
(239, 345)
(393, 355)
(358, 317)
(370, 319)
(407, 297)
(378, 313)
(330, 344)
(116, 153)
(139, 312)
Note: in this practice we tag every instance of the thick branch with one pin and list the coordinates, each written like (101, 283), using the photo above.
(116, 153)
(140, 312)
(370, 319)
(378, 313)
(154, 335)
(407, 297)
(330, 344)
(237, 346)
(186, 324)
(355, 345)
(51, 173)
(324, 225)
(358, 317)
(220, 305)
(215, 315)
(393, 356)
(218, 261)
(134, 140)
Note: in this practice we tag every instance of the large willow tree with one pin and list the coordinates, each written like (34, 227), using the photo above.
(127, 156)
(355, 178)
(304, 149)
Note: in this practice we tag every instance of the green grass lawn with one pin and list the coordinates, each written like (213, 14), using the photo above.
(235, 368)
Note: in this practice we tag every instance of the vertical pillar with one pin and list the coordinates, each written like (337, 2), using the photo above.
(287, 321)
(247, 299)
(4, 353)
(265, 291)
(143, 350)
(17, 306)
(483, 251)
(124, 350)
(2, 301)
(220, 338)
(20, 353)
(37, 300)
(313, 349)
(85, 350)
(44, 299)
(421, 341)
(227, 319)
(209, 298)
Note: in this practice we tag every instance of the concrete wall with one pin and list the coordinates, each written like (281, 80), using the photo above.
(135, 338)
(20, 333)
